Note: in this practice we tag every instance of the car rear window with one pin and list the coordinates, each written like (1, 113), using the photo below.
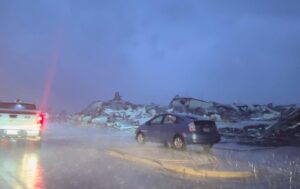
(17, 106)
(205, 123)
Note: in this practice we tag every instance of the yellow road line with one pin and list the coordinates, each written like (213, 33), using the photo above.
(174, 160)
(181, 169)
(191, 161)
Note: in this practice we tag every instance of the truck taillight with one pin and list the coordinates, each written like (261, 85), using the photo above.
(41, 120)
(192, 127)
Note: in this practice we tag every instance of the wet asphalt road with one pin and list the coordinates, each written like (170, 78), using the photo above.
(76, 157)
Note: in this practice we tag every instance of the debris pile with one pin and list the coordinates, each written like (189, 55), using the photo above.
(285, 131)
(240, 122)
(224, 112)
(117, 113)
(265, 124)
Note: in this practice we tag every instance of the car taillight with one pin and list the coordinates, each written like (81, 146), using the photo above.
(192, 127)
(41, 120)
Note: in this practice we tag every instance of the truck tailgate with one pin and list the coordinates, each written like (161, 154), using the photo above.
(12, 119)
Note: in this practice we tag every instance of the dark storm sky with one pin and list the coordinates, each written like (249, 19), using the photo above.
(226, 51)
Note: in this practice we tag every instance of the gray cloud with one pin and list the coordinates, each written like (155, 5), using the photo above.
(231, 51)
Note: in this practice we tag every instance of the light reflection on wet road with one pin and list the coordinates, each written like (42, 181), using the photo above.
(76, 157)
(22, 167)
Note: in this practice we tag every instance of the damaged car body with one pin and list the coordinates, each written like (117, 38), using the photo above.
(285, 131)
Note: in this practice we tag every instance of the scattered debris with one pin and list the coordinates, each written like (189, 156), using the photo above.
(117, 113)
(286, 131)
(257, 124)
(224, 112)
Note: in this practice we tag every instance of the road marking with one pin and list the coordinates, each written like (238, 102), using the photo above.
(183, 170)
(191, 161)
(244, 150)
(174, 160)
(194, 158)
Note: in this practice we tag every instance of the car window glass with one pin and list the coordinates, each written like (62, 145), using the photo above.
(156, 120)
(170, 119)
(17, 106)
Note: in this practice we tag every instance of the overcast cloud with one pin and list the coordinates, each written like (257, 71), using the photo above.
(226, 51)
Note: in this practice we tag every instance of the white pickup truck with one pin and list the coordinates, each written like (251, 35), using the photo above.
(20, 120)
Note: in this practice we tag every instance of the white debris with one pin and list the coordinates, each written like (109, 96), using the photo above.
(86, 119)
(118, 113)
(100, 120)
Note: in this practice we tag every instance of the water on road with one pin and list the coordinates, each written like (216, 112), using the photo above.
(85, 157)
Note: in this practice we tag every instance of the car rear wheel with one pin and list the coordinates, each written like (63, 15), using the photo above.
(140, 138)
(178, 143)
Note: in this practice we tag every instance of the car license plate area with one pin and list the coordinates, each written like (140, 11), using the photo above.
(12, 132)
(206, 130)
(13, 116)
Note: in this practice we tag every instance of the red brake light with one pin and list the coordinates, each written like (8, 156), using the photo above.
(41, 120)
(192, 127)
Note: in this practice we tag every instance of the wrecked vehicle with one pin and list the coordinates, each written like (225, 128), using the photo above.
(223, 112)
(194, 106)
(286, 131)
(185, 104)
